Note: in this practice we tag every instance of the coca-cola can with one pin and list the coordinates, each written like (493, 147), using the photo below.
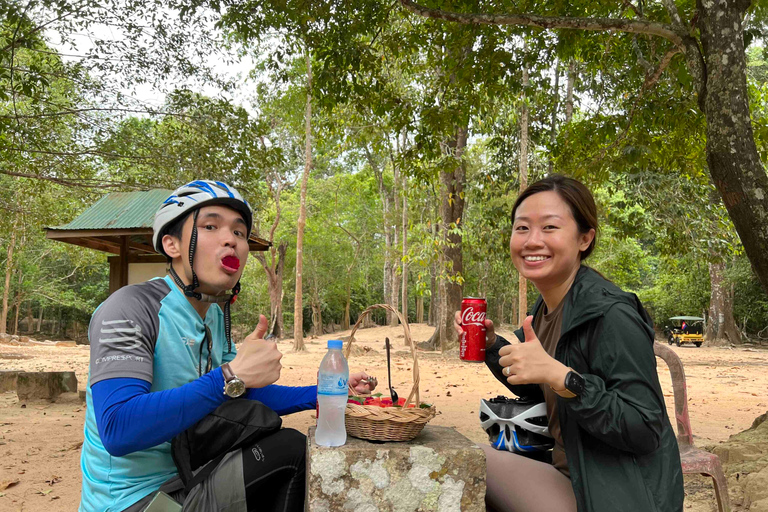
(472, 343)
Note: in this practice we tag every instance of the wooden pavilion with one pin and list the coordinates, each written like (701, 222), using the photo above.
(120, 224)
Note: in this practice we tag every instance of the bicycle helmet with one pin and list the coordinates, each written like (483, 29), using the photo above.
(516, 425)
(187, 199)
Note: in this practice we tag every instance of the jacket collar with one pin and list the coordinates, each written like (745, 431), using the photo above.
(590, 297)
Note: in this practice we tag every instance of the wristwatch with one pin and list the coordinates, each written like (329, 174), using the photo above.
(573, 385)
(233, 386)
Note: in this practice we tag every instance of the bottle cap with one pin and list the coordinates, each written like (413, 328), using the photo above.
(335, 344)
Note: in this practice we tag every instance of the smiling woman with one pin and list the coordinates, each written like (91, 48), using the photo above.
(587, 353)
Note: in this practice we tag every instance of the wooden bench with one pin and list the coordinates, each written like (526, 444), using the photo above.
(694, 460)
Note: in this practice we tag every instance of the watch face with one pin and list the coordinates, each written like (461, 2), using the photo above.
(574, 383)
(235, 388)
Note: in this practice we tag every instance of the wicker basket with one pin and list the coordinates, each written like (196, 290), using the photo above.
(388, 423)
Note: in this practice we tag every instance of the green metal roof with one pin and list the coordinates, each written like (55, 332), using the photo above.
(120, 210)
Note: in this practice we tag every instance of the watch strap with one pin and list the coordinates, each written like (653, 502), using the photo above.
(565, 392)
(228, 373)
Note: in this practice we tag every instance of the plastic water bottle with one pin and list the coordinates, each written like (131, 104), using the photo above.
(332, 380)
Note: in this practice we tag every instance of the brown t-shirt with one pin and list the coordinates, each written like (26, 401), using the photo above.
(547, 326)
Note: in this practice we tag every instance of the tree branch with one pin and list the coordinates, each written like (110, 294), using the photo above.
(650, 81)
(674, 15)
(73, 182)
(669, 32)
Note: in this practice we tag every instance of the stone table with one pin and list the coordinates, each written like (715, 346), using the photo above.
(440, 470)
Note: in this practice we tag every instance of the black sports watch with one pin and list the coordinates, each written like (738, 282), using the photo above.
(233, 386)
(573, 385)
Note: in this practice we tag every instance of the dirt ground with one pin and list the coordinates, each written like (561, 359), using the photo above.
(40, 441)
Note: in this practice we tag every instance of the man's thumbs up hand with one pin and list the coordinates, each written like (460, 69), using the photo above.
(257, 362)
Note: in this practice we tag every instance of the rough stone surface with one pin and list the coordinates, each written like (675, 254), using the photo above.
(756, 488)
(440, 470)
(745, 464)
(8, 380)
(45, 385)
(759, 506)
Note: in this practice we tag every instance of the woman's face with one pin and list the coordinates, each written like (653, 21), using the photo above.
(546, 243)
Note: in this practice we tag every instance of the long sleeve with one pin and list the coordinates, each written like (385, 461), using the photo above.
(622, 404)
(285, 399)
(130, 418)
(531, 391)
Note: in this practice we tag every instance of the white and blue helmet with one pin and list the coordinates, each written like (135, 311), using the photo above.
(194, 195)
(516, 425)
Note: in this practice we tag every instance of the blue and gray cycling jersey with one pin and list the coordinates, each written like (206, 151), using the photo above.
(148, 345)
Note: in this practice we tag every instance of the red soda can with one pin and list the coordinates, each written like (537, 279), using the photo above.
(472, 343)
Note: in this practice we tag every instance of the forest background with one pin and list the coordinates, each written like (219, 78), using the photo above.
(384, 143)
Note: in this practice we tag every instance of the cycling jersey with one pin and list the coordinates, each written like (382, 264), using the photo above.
(149, 353)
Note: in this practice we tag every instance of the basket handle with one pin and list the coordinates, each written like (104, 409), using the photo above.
(407, 330)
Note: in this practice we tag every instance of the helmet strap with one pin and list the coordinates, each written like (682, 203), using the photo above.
(192, 246)
(190, 289)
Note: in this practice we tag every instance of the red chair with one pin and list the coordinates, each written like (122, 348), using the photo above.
(694, 460)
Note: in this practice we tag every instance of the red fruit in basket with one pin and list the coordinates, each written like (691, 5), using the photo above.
(401, 401)
(386, 402)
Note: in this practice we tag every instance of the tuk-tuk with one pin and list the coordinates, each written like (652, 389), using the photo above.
(685, 329)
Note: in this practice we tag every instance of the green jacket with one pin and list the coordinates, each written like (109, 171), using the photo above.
(621, 449)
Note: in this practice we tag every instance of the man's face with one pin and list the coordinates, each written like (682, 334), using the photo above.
(222, 248)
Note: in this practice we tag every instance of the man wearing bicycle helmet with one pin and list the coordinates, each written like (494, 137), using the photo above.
(162, 359)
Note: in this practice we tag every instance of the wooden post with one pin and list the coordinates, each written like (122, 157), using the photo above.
(123, 261)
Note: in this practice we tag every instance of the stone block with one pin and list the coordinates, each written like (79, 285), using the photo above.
(66, 343)
(8, 380)
(83, 395)
(439, 470)
(45, 385)
(756, 488)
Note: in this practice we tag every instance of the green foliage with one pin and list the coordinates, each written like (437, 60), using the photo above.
(681, 287)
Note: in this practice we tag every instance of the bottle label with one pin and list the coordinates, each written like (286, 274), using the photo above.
(331, 384)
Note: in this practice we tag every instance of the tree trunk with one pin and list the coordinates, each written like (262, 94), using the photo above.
(514, 314)
(419, 309)
(394, 298)
(8, 272)
(452, 181)
(553, 121)
(275, 272)
(30, 327)
(522, 282)
(298, 312)
(721, 328)
(387, 201)
(317, 311)
(40, 319)
(345, 320)
(569, 91)
(404, 236)
(18, 299)
(16, 318)
(433, 299)
(732, 156)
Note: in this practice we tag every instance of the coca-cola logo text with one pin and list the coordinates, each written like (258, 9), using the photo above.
(471, 317)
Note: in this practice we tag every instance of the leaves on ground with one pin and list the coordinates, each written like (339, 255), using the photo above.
(5, 484)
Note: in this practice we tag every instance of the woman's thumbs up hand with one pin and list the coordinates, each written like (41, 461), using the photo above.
(529, 363)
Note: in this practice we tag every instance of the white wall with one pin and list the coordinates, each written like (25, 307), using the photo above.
(140, 272)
